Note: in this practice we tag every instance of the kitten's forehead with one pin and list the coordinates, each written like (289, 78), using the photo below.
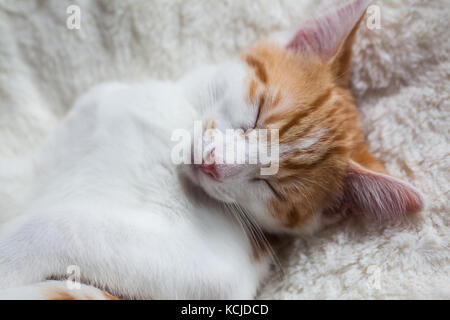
(275, 65)
(284, 79)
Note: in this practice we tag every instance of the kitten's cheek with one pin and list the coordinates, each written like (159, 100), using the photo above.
(229, 171)
(210, 170)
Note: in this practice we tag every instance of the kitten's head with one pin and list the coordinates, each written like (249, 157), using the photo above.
(300, 88)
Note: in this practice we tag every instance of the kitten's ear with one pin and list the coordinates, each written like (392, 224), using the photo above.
(331, 36)
(372, 193)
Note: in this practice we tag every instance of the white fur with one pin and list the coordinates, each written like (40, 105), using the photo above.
(399, 80)
(105, 197)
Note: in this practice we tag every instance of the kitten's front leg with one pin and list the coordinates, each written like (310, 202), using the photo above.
(147, 265)
(34, 248)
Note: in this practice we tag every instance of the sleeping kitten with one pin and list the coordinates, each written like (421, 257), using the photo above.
(105, 196)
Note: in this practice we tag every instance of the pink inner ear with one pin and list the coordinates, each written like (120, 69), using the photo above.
(324, 35)
(370, 192)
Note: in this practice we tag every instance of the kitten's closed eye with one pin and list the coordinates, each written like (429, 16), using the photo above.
(260, 107)
(253, 124)
(270, 186)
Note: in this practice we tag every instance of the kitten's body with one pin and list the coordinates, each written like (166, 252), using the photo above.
(103, 193)
(121, 212)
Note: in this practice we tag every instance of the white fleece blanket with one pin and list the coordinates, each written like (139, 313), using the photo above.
(401, 83)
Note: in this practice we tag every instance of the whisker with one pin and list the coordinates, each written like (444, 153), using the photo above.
(254, 232)
(245, 228)
(262, 237)
(249, 227)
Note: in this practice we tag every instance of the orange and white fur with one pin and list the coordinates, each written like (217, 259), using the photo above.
(104, 195)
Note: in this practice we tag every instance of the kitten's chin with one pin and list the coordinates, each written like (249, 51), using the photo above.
(209, 185)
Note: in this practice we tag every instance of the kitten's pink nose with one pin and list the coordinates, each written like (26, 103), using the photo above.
(210, 167)
(211, 170)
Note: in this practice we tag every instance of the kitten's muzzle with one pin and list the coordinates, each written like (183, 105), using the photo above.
(209, 167)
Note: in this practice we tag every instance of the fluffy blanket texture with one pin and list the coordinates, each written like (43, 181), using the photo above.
(400, 80)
